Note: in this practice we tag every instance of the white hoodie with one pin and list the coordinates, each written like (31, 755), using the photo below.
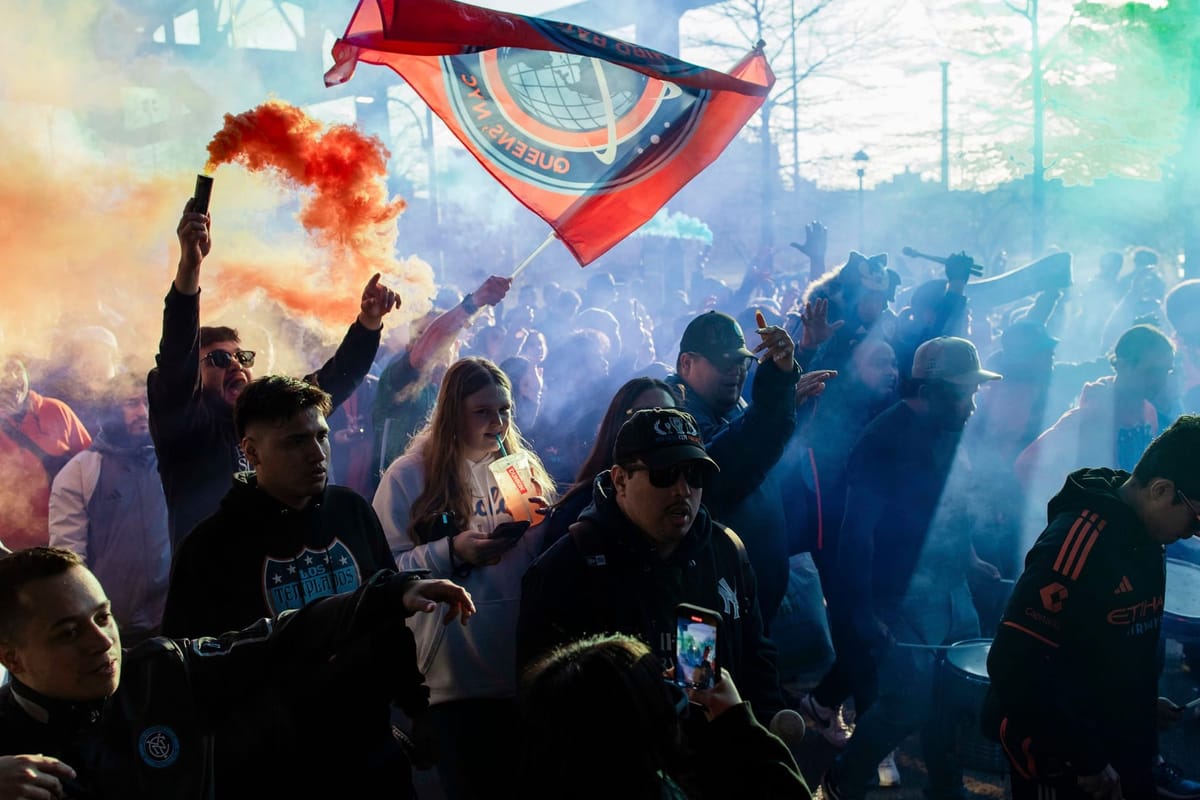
(478, 660)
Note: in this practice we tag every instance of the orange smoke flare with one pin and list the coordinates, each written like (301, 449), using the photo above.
(348, 213)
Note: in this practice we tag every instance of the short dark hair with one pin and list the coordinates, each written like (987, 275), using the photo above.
(19, 569)
(1172, 455)
(1137, 342)
(277, 398)
(218, 333)
(602, 697)
(619, 409)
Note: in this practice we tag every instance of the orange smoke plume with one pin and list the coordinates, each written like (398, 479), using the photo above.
(347, 213)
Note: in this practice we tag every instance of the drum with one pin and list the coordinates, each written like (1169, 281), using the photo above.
(962, 685)
(1181, 607)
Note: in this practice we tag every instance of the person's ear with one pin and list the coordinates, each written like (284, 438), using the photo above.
(620, 479)
(686, 362)
(11, 659)
(1162, 490)
(251, 450)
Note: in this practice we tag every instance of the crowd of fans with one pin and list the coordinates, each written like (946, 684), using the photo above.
(881, 431)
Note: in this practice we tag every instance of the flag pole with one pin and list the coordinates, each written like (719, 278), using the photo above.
(521, 267)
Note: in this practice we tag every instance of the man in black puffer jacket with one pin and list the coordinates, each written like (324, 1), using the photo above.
(643, 546)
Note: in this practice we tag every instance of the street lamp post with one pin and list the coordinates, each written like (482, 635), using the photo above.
(860, 158)
(425, 129)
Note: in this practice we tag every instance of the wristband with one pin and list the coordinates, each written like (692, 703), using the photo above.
(468, 303)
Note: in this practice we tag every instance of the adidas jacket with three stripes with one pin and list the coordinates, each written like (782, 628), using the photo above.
(1074, 665)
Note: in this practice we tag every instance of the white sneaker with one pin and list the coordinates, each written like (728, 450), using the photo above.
(888, 774)
(826, 721)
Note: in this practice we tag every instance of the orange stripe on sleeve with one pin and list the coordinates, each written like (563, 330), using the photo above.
(1066, 545)
(1083, 532)
(1023, 629)
(1087, 549)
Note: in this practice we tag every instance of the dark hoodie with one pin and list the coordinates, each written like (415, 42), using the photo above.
(1074, 665)
(607, 577)
(256, 558)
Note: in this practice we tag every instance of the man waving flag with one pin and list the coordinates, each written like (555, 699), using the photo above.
(593, 134)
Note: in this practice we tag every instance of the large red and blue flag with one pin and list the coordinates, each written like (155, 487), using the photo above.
(592, 133)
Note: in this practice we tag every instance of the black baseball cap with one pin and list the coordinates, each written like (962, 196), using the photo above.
(716, 336)
(660, 437)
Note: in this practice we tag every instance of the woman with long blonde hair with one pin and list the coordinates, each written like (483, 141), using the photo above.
(439, 504)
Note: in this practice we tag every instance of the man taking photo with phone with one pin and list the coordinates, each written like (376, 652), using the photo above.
(644, 545)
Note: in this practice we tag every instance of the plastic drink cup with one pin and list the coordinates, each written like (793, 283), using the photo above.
(515, 480)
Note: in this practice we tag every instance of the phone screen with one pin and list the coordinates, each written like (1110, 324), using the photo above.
(695, 650)
(510, 530)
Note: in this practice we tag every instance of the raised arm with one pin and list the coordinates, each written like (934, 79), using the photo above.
(342, 374)
(441, 331)
(175, 380)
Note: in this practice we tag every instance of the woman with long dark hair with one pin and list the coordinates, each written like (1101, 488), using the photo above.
(634, 395)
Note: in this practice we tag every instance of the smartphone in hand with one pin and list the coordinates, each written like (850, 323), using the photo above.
(510, 530)
(696, 632)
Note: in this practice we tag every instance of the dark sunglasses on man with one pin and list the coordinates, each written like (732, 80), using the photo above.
(221, 359)
(665, 478)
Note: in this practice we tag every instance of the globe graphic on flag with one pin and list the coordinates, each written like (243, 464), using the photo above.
(567, 91)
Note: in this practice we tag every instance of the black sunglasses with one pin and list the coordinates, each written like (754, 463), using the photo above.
(692, 472)
(221, 359)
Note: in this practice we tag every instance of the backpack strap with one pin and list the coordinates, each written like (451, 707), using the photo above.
(50, 463)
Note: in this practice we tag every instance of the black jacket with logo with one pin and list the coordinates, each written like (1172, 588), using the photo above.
(256, 558)
(1074, 665)
(153, 739)
(606, 577)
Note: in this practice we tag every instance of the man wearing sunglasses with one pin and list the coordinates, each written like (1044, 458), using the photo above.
(643, 546)
(746, 440)
(201, 371)
(1075, 663)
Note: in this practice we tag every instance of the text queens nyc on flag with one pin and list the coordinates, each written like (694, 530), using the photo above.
(592, 133)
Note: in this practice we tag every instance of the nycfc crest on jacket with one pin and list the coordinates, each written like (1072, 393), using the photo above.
(257, 558)
(290, 583)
